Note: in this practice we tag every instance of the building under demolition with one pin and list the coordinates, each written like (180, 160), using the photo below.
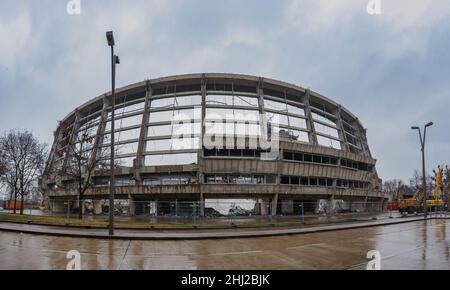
(201, 137)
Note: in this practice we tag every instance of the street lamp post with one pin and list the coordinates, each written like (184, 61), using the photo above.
(424, 181)
(114, 60)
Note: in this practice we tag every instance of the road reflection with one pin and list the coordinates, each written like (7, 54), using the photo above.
(415, 245)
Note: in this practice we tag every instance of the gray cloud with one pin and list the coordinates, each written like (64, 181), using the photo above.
(391, 70)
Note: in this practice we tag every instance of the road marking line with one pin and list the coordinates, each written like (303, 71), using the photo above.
(303, 246)
(124, 255)
(235, 253)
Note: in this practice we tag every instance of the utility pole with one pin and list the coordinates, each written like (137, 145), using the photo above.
(424, 180)
(114, 60)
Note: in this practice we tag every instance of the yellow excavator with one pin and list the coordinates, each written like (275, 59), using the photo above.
(414, 204)
(446, 188)
(408, 205)
(436, 203)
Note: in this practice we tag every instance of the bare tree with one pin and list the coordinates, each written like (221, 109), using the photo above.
(10, 160)
(390, 188)
(415, 182)
(23, 159)
(2, 166)
(85, 157)
(2, 170)
(2, 174)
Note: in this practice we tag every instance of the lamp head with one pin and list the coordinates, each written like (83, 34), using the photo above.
(110, 38)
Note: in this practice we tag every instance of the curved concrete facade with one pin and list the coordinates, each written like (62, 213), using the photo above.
(165, 127)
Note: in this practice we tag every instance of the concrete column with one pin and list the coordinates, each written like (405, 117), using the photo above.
(201, 155)
(97, 206)
(203, 112)
(262, 110)
(365, 203)
(331, 205)
(202, 206)
(341, 131)
(49, 164)
(132, 207)
(362, 138)
(263, 206)
(72, 138)
(140, 158)
(310, 123)
(155, 203)
(274, 204)
(96, 149)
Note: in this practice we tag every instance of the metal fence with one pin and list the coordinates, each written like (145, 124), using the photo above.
(210, 213)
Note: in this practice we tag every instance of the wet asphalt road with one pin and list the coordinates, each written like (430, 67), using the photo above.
(417, 245)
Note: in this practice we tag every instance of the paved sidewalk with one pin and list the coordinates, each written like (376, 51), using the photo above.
(197, 234)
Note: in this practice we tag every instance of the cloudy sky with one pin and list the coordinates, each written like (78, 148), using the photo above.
(392, 70)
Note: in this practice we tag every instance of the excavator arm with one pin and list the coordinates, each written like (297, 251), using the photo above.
(439, 177)
(446, 186)
(419, 194)
(399, 192)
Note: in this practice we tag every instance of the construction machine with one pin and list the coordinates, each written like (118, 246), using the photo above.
(415, 203)
(436, 203)
(409, 204)
(446, 188)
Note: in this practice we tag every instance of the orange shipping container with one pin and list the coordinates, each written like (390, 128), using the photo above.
(9, 204)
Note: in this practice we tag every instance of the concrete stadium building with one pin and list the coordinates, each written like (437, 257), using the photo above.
(161, 130)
